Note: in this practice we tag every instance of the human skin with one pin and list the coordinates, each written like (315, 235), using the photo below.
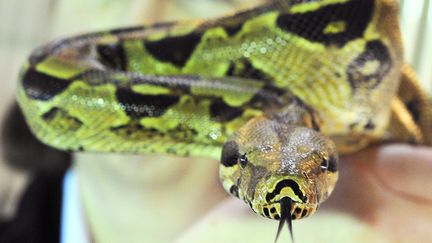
(389, 187)
(383, 195)
(144, 198)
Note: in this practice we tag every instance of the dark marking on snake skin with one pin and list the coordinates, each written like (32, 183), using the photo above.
(233, 29)
(293, 216)
(257, 172)
(266, 212)
(296, 111)
(233, 24)
(40, 86)
(245, 69)
(273, 90)
(221, 112)
(112, 56)
(311, 25)
(231, 70)
(61, 119)
(49, 115)
(304, 213)
(176, 50)
(374, 51)
(128, 128)
(122, 31)
(234, 191)
(139, 105)
(230, 154)
(273, 210)
(414, 108)
(191, 132)
(268, 96)
(369, 125)
(314, 120)
(133, 131)
(277, 217)
(131, 30)
(298, 210)
(283, 184)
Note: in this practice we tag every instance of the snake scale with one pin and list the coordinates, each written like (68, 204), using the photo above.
(275, 93)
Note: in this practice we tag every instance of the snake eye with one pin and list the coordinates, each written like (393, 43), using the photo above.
(332, 164)
(243, 161)
(329, 164)
(324, 165)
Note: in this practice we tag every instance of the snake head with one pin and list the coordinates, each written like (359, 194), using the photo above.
(266, 161)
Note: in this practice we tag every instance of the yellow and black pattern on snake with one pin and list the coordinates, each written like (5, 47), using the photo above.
(275, 92)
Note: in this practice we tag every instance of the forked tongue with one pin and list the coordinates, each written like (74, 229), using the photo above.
(285, 206)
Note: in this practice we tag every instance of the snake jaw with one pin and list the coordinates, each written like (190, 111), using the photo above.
(298, 210)
(267, 198)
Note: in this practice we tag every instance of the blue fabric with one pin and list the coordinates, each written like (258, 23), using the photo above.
(73, 227)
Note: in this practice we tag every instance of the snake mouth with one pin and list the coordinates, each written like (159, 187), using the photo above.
(297, 210)
(290, 210)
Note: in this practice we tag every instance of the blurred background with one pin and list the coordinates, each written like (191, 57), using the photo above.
(26, 24)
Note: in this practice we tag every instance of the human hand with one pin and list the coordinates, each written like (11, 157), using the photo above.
(384, 194)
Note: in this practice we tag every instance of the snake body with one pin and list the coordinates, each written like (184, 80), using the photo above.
(275, 92)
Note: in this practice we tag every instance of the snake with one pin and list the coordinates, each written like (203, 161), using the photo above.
(276, 93)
